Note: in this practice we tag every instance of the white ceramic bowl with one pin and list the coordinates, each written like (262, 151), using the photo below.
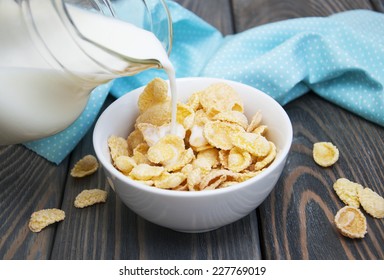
(194, 211)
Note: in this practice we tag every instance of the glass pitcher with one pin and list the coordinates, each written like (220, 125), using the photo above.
(54, 52)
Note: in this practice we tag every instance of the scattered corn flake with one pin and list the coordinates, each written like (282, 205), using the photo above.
(133, 140)
(185, 115)
(85, 166)
(169, 180)
(234, 117)
(218, 134)
(45, 217)
(125, 164)
(238, 159)
(145, 172)
(155, 92)
(372, 203)
(348, 191)
(118, 146)
(255, 122)
(351, 222)
(89, 197)
(268, 159)
(158, 114)
(253, 143)
(325, 153)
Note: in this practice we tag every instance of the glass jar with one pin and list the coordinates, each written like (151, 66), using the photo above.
(55, 52)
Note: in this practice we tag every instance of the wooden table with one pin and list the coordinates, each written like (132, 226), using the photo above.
(295, 222)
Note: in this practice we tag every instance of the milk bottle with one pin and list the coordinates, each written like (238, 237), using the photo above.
(53, 54)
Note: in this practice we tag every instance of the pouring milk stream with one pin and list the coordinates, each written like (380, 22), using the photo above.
(44, 88)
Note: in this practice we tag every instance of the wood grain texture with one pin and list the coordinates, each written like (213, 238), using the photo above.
(378, 5)
(297, 218)
(251, 13)
(216, 12)
(27, 183)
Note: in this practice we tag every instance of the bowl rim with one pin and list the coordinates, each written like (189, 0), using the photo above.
(106, 163)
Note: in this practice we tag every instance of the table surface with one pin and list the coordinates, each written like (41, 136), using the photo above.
(294, 222)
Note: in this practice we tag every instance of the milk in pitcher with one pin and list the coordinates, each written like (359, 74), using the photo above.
(45, 84)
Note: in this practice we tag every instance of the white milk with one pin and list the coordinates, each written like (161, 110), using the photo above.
(38, 98)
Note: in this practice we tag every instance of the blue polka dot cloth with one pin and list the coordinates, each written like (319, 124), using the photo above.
(340, 58)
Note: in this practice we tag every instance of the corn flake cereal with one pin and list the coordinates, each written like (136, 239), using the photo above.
(234, 117)
(223, 158)
(213, 147)
(185, 115)
(155, 92)
(45, 217)
(351, 222)
(134, 139)
(125, 164)
(215, 178)
(372, 203)
(194, 101)
(268, 159)
(220, 97)
(255, 122)
(158, 114)
(85, 166)
(145, 172)
(325, 153)
(261, 129)
(194, 179)
(207, 159)
(218, 134)
(140, 154)
(169, 180)
(118, 146)
(253, 143)
(348, 191)
(238, 159)
(89, 197)
(167, 149)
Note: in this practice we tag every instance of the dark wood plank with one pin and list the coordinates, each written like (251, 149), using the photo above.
(27, 183)
(297, 218)
(216, 12)
(378, 5)
(251, 13)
